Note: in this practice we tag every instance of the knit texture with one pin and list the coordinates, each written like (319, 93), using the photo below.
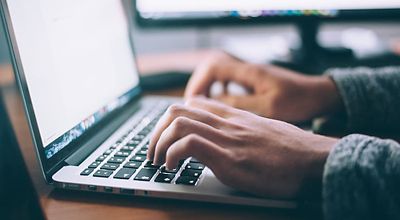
(362, 179)
(371, 97)
(362, 174)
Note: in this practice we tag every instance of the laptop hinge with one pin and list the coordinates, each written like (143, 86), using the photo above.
(76, 158)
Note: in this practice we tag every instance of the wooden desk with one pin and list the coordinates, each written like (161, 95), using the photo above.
(59, 204)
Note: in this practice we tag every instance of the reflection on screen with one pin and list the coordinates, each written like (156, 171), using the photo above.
(78, 63)
(245, 5)
(193, 9)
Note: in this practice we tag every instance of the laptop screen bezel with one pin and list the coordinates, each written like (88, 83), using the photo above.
(18, 184)
(50, 166)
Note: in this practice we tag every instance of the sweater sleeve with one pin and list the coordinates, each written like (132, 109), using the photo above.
(362, 179)
(371, 97)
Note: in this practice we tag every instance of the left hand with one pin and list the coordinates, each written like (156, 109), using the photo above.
(273, 92)
(245, 151)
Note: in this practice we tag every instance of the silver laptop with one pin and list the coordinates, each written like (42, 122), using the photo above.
(77, 74)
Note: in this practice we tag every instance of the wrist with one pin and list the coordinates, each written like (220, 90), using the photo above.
(321, 147)
(316, 160)
(326, 95)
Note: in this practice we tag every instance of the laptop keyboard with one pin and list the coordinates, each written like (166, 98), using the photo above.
(126, 159)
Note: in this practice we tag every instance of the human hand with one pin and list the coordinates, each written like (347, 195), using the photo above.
(245, 151)
(274, 92)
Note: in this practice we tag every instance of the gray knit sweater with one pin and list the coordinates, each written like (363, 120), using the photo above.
(362, 174)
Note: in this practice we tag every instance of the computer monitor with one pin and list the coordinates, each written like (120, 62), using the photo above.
(306, 14)
(212, 12)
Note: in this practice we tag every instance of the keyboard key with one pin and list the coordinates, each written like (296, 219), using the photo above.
(146, 131)
(133, 143)
(108, 152)
(87, 171)
(164, 170)
(116, 160)
(145, 174)
(143, 133)
(125, 173)
(139, 137)
(191, 173)
(114, 146)
(132, 164)
(195, 166)
(151, 165)
(122, 154)
(94, 164)
(139, 158)
(110, 166)
(194, 160)
(164, 178)
(142, 152)
(127, 148)
(101, 158)
(103, 173)
(186, 180)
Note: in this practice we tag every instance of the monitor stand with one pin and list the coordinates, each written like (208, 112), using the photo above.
(312, 58)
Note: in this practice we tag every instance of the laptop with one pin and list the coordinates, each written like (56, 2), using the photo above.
(18, 196)
(90, 123)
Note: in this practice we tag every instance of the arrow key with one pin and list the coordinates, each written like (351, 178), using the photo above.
(124, 173)
(164, 178)
(145, 174)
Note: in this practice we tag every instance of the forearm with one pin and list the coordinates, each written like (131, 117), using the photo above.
(362, 178)
(371, 97)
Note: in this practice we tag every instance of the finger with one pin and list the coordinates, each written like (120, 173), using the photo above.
(210, 105)
(201, 80)
(198, 147)
(248, 103)
(208, 73)
(175, 111)
(182, 127)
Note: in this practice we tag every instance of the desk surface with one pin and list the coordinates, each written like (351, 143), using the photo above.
(59, 204)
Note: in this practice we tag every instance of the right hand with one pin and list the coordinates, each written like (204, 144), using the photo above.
(245, 151)
(274, 92)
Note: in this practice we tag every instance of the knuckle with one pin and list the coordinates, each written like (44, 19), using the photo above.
(180, 123)
(210, 67)
(238, 158)
(175, 109)
(192, 139)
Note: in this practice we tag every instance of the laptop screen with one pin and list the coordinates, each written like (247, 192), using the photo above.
(78, 63)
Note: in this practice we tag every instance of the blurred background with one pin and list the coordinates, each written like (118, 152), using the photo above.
(256, 42)
(376, 37)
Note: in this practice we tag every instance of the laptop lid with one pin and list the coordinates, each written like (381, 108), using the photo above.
(75, 66)
(18, 198)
